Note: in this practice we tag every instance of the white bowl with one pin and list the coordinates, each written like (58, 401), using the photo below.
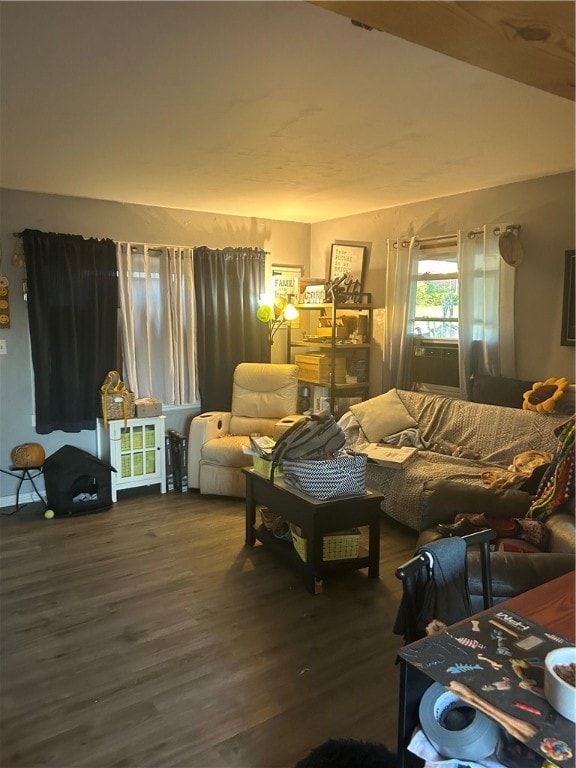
(560, 694)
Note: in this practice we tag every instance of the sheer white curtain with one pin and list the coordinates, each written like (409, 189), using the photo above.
(486, 328)
(401, 268)
(486, 310)
(158, 319)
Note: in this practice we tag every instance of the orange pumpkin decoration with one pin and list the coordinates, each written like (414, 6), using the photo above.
(28, 455)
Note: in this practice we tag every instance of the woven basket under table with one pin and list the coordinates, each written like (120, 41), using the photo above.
(339, 545)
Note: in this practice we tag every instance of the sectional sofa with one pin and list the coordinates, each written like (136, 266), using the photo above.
(459, 441)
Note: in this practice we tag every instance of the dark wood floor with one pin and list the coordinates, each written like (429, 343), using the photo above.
(149, 635)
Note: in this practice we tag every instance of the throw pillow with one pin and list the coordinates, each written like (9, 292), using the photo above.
(544, 394)
(499, 390)
(534, 532)
(382, 416)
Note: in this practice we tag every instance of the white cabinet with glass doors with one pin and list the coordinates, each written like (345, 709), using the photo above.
(136, 449)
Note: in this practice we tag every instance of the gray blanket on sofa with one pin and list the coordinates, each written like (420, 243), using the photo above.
(492, 434)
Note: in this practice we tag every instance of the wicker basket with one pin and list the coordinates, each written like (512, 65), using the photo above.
(342, 475)
(340, 545)
(264, 467)
(268, 517)
(117, 400)
(120, 406)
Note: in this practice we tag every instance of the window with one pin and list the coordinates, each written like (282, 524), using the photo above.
(158, 322)
(465, 269)
(435, 293)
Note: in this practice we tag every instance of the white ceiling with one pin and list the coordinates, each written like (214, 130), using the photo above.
(278, 110)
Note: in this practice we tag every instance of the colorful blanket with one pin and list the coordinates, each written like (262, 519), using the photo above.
(557, 486)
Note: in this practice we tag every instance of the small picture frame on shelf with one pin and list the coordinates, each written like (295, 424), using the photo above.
(346, 273)
(310, 290)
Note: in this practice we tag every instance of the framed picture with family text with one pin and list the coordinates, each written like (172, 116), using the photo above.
(285, 279)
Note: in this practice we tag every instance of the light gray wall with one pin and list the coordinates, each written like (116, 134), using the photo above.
(545, 209)
(287, 243)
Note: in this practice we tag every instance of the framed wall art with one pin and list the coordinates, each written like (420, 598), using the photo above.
(285, 280)
(347, 259)
(568, 331)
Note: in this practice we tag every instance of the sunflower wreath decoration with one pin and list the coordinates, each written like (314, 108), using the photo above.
(544, 395)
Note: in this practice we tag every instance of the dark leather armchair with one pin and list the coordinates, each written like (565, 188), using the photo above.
(512, 572)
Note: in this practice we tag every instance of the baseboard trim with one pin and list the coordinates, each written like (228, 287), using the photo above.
(24, 498)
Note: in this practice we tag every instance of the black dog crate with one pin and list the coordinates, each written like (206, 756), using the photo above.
(77, 482)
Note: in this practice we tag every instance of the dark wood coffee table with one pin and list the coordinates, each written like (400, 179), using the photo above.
(316, 519)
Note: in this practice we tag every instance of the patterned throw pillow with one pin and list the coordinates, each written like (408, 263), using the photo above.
(544, 394)
(534, 532)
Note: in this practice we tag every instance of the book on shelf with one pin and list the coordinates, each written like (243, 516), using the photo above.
(393, 456)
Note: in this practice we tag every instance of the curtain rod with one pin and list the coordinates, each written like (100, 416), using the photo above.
(435, 238)
(418, 240)
(514, 228)
(159, 247)
(156, 247)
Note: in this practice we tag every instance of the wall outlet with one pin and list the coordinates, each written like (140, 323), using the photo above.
(3, 350)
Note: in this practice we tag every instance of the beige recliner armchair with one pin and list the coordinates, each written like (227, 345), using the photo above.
(264, 402)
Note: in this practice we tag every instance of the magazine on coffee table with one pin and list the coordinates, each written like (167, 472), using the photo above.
(393, 456)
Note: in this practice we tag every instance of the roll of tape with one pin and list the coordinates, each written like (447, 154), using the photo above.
(454, 728)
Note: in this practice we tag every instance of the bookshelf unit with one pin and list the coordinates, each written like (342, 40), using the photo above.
(331, 345)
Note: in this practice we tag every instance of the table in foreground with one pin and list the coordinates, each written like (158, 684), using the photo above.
(316, 518)
(548, 611)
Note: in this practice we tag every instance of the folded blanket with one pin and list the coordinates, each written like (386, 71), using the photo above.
(521, 468)
(410, 437)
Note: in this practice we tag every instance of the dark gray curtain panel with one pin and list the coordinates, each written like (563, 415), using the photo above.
(72, 311)
(227, 284)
